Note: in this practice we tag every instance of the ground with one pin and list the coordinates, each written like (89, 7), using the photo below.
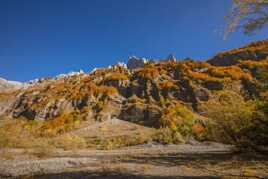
(146, 161)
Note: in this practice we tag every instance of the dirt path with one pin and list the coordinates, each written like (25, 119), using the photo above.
(147, 161)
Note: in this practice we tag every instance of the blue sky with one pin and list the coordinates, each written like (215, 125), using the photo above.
(41, 38)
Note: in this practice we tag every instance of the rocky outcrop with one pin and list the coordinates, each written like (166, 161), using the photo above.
(171, 57)
(143, 114)
(135, 63)
(6, 103)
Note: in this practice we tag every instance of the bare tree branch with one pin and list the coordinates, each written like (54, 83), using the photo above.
(251, 15)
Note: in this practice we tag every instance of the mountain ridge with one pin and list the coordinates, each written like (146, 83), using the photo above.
(164, 93)
(253, 51)
(184, 99)
(10, 85)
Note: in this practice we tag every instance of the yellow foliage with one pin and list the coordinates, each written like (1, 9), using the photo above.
(106, 90)
(198, 129)
(116, 76)
(22, 133)
(199, 75)
(233, 72)
(196, 64)
(167, 136)
(92, 89)
(249, 64)
(253, 47)
(168, 85)
(213, 73)
(148, 73)
(60, 124)
(175, 115)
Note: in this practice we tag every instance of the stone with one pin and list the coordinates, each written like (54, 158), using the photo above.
(134, 62)
(171, 57)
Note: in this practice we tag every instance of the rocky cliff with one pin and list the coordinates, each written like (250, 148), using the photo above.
(156, 93)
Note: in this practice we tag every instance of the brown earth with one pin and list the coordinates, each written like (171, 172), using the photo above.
(155, 161)
(149, 160)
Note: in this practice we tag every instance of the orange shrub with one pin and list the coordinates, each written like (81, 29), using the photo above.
(198, 129)
(168, 85)
(199, 76)
(233, 72)
(148, 73)
(249, 64)
(175, 115)
(106, 90)
(116, 76)
(196, 64)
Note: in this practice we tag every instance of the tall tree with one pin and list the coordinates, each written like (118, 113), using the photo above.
(247, 14)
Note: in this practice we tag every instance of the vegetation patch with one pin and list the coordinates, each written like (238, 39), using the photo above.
(22, 133)
(115, 142)
(116, 77)
(180, 119)
(167, 136)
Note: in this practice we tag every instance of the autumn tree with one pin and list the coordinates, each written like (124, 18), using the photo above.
(249, 15)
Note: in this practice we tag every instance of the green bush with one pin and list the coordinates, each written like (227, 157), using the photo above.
(240, 123)
(167, 136)
(114, 142)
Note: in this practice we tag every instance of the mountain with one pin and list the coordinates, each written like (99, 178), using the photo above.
(164, 93)
(10, 85)
(255, 51)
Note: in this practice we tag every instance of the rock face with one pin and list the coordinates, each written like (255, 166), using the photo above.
(6, 103)
(171, 57)
(134, 62)
(147, 93)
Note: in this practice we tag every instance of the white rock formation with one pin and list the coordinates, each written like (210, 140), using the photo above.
(10, 85)
(122, 64)
(60, 76)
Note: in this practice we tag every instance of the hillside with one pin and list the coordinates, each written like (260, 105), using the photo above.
(6, 85)
(186, 96)
(255, 51)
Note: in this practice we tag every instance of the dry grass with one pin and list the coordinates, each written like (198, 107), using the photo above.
(51, 134)
(115, 142)
(175, 115)
(7, 155)
(233, 72)
(116, 76)
(24, 134)
(42, 153)
(167, 136)
(68, 142)
(59, 125)
(28, 135)
(148, 73)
